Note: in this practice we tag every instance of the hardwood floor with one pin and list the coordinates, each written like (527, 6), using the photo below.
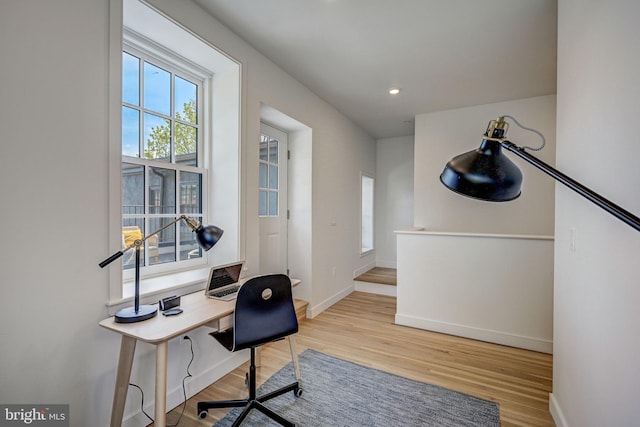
(384, 276)
(360, 328)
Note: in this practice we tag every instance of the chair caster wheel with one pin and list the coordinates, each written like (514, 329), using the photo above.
(298, 392)
(202, 415)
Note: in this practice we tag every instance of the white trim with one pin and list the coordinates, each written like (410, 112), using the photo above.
(556, 412)
(386, 263)
(421, 231)
(367, 251)
(375, 288)
(115, 145)
(363, 269)
(319, 308)
(530, 343)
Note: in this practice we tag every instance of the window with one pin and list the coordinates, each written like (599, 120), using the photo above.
(163, 173)
(268, 187)
(366, 242)
(167, 89)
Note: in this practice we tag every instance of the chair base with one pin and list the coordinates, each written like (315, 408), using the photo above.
(253, 401)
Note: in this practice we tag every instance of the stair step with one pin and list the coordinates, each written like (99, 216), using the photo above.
(301, 308)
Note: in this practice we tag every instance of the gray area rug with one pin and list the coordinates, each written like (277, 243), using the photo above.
(338, 393)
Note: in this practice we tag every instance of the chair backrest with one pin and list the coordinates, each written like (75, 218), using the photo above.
(264, 311)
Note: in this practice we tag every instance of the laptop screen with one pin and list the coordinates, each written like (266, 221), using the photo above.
(224, 275)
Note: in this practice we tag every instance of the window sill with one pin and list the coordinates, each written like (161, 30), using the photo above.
(155, 288)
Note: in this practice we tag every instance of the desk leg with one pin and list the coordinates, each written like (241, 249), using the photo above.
(161, 385)
(127, 350)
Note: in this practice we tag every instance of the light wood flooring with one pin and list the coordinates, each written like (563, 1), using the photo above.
(360, 328)
(384, 276)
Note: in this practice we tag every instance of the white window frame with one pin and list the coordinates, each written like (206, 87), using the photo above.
(224, 175)
(148, 51)
(367, 210)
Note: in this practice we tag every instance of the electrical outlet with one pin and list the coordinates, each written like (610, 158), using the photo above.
(185, 339)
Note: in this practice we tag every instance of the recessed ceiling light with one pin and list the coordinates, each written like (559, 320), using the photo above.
(394, 91)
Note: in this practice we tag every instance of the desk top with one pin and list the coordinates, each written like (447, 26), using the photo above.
(198, 311)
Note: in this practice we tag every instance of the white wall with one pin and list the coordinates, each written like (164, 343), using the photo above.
(393, 195)
(443, 280)
(55, 186)
(596, 380)
(495, 288)
(442, 135)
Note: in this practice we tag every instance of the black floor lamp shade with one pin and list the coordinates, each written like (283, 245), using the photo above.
(487, 174)
(484, 173)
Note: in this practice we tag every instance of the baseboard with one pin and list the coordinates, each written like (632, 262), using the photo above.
(193, 386)
(556, 412)
(363, 269)
(375, 288)
(319, 308)
(496, 337)
(386, 264)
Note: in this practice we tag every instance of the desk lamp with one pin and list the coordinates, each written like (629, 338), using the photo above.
(207, 236)
(486, 174)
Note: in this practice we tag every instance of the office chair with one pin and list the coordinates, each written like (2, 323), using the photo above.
(264, 313)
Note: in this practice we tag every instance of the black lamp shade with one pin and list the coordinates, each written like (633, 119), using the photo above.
(485, 174)
(208, 235)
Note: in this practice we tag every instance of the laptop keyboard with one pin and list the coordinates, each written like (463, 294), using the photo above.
(222, 281)
(225, 292)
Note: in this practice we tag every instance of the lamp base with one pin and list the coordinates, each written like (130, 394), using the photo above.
(129, 314)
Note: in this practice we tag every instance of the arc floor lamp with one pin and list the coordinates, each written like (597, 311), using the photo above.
(206, 236)
(487, 174)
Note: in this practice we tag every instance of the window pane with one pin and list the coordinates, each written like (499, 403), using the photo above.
(157, 137)
(263, 175)
(189, 248)
(367, 214)
(132, 189)
(186, 145)
(273, 151)
(273, 203)
(262, 210)
(273, 177)
(185, 100)
(162, 191)
(166, 241)
(157, 89)
(130, 132)
(263, 147)
(190, 193)
(130, 79)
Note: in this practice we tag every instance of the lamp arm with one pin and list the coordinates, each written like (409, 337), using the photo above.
(585, 192)
(192, 223)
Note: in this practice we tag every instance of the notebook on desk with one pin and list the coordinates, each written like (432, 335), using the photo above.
(223, 283)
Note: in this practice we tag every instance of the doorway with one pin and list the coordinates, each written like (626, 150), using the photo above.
(273, 200)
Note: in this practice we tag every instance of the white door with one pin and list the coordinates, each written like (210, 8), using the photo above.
(272, 204)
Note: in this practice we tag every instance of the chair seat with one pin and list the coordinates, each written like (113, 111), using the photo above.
(225, 338)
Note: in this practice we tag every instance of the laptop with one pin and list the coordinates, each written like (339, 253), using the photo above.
(223, 283)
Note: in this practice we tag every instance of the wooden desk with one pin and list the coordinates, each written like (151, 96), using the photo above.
(198, 311)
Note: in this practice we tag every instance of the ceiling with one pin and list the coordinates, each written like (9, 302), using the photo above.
(443, 54)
